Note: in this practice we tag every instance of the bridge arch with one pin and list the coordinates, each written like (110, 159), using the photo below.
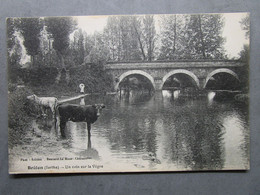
(183, 71)
(220, 70)
(132, 72)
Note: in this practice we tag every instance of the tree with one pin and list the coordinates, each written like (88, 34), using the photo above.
(245, 24)
(149, 35)
(137, 25)
(13, 50)
(30, 28)
(60, 29)
(10, 24)
(112, 35)
(130, 38)
(244, 71)
(172, 36)
(135, 52)
(77, 46)
(204, 36)
(128, 42)
(46, 53)
(244, 54)
(97, 51)
(89, 45)
(124, 38)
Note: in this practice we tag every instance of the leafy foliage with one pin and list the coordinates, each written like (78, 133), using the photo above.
(149, 35)
(78, 50)
(19, 112)
(203, 37)
(244, 54)
(10, 24)
(94, 78)
(130, 38)
(99, 52)
(244, 72)
(245, 24)
(42, 80)
(60, 29)
(13, 50)
(30, 28)
(172, 37)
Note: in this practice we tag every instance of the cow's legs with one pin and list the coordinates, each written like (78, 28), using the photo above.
(42, 111)
(89, 142)
(53, 112)
(62, 127)
(89, 128)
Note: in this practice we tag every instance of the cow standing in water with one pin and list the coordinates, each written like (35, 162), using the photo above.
(79, 113)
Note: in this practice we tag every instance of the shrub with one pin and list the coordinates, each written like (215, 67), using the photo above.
(42, 80)
(39, 76)
(95, 79)
(20, 112)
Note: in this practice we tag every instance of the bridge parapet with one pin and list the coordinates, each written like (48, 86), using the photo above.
(176, 64)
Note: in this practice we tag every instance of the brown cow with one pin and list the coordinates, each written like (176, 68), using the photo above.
(79, 113)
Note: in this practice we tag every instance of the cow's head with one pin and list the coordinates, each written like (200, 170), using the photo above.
(98, 107)
(31, 97)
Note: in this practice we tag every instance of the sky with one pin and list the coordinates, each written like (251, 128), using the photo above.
(90, 24)
(235, 36)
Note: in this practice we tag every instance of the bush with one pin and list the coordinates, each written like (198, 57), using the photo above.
(39, 76)
(42, 80)
(20, 112)
(94, 78)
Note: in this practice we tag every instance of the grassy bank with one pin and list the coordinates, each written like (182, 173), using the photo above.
(20, 113)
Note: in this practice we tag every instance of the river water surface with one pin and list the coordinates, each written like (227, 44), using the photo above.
(142, 132)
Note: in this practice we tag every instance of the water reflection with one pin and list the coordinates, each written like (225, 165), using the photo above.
(78, 141)
(161, 131)
(82, 101)
(211, 96)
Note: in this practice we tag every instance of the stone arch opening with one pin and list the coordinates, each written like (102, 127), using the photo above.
(220, 71)
(191, 75)
(134, 72)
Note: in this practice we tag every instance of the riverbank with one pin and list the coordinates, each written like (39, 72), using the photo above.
(242, 98)
(20, 113)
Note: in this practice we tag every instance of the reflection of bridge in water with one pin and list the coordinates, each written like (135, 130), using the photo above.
(200, 72)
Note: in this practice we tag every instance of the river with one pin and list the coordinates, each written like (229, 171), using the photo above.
(142, 132)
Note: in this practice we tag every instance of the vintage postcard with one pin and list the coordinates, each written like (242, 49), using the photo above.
(128, 93)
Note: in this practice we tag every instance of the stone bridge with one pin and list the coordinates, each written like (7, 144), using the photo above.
(158, 72)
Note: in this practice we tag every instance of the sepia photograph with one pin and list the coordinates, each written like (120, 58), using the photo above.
(128, 93)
